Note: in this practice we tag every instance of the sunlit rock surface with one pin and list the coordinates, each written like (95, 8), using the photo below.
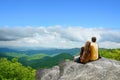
(102, 69)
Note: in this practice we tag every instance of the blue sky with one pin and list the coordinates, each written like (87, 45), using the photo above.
(86, 13)
(59, 23)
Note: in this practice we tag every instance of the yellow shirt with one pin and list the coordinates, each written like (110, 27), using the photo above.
(94, 51)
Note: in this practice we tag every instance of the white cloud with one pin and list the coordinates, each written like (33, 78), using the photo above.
(57, 36)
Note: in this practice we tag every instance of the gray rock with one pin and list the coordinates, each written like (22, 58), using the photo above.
(102, 69)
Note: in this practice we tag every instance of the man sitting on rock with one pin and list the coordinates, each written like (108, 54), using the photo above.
(93, 49)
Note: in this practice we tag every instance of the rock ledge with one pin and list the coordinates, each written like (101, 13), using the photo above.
(102, 69)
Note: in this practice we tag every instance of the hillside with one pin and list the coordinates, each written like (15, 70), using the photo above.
(51, 51)
(110, 53)
(47, 61)
(38, 60)
(13, 70)
(51, 57)
(102, 69)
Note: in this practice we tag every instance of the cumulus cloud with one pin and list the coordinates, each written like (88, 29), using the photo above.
(57, 36)
(112, 35)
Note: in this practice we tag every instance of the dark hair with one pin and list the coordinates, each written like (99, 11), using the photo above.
(81, 51)
(86, 54)
(93, 39)
(87, 47)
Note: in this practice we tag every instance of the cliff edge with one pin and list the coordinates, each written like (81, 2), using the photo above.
(102, 69)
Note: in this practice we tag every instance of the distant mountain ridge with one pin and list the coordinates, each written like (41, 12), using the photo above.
(47, 62)
(7, 50)
(41, 58)
(49, 51)
(45, 58)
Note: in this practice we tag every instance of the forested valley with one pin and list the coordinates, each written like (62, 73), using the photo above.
(20, 65)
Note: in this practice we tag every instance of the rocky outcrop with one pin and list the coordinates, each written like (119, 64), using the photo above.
(102, 69)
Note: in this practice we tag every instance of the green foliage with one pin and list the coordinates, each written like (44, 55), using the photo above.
(36, 56)
(110, 53)
(47, 61)
(4, 55)
(13, 70)
(14, 60)
(52, 61)
(14, 54)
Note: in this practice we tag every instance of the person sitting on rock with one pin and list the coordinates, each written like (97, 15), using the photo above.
(89, 52)
(84, 54)
(94, 50)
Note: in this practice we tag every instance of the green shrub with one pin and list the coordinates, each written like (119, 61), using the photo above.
(110, 53)
(13, 70)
